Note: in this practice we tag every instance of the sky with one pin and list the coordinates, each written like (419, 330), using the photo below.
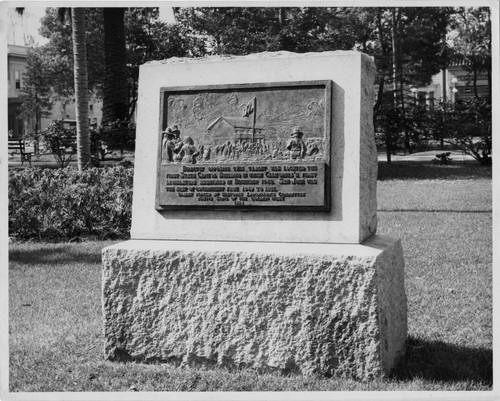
(23, 30)
(20, 30)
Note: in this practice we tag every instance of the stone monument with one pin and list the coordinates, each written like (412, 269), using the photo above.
(254, 221)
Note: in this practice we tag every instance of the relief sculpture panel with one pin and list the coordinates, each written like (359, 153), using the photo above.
(245, 146)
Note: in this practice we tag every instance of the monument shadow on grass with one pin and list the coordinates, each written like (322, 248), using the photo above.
(58, 255)
(440, 361)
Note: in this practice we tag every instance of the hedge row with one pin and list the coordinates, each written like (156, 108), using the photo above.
(65, 203)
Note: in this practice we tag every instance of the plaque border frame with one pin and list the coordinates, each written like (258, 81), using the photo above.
(162, 125)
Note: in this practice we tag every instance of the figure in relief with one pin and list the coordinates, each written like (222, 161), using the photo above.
(314, 146)
(171, 145)
(296, 145)
(168, 145)
(178, 144)
(188, 151)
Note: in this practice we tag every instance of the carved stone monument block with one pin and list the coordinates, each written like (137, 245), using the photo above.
(254, 220)
(241, 112)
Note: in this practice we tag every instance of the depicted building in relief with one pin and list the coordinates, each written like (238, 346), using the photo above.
(240, 130)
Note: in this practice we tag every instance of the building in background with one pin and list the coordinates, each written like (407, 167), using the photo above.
(453, 83)
(62, 109)
(16, 59)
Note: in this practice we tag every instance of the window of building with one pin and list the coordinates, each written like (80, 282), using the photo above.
(421, 99)
(19, 127)
(17, 77)
(91, 107)
(431, 100)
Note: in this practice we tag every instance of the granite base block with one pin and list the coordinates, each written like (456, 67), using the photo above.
(305, 308)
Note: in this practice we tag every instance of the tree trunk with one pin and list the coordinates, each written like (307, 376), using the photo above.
(488, 44)
(399, 98)
(380, 96)
(444, 86)
(394, 60)
(381, 85)
(388, 149)
(282, 16)
(394, 77)
(37, 115)
(474, 79)
(81, 87)
(115, 90)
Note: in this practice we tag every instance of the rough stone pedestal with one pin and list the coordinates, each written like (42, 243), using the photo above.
(305, 308)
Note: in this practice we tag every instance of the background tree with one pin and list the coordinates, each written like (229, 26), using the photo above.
(411, 59)
(146, 38)
(115, 91)
(245, 30)
(469, 38)
(466, 125)
(416, 54)
(231, 30)
(36, 91)
(60, 48)
(327, 28)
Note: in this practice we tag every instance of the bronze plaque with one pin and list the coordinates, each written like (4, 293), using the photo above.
(252, 146)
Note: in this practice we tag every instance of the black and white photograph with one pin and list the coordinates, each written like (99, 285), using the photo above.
(248, 200)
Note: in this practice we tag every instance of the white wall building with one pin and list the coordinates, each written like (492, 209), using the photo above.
(22, 32)
(61, 109)
(454, 83)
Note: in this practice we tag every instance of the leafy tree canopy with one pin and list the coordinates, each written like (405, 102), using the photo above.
(469, 39)
(60, 48)
(421, 33)
(245, 30)
(408, 45)
(469, 34)
(36, 91)
(147, 38)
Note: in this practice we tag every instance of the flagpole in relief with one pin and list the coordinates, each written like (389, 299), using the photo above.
(254, 118)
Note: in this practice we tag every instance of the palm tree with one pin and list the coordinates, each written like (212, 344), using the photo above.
(81, 87)
(81, 82)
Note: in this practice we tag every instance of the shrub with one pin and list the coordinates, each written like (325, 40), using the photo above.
(465, 124)
(60, 142)
(468, 127)
(64, 203)
(118, 135)
(402, 130)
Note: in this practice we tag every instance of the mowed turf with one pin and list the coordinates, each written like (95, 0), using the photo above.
(56, 338)
(435, 195)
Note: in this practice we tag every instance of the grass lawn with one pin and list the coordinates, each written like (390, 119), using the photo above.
(56, 339)
(407, 186)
